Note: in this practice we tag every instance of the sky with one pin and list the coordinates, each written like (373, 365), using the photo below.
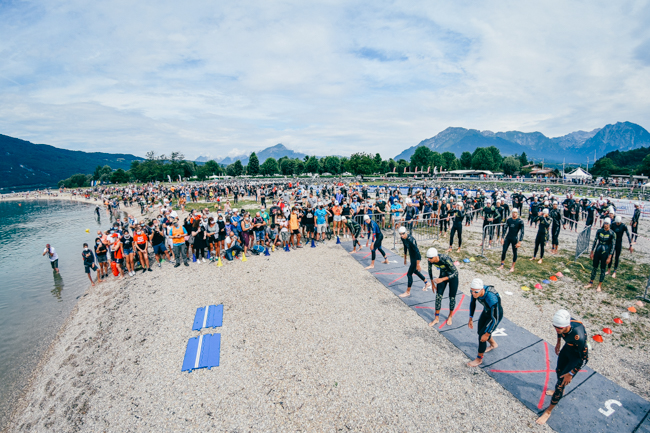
(223, 78)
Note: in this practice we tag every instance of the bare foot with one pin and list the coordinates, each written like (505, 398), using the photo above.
(549, 392)
(353, 251)
(458, 250)
(92, 284)
(405, 295)
(542, 419)
(512, 269)
(501, 267)
(449, 321)
(385, 262)
(599, 287)
(427, 286)
(475, 363)
(434, 321)
(589, 286)
(531, 259)
(540, 261)
(614, 274)
(606, 272)
(491, 347)
(370, 267)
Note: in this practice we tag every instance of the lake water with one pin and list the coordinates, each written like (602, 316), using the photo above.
(34, 301)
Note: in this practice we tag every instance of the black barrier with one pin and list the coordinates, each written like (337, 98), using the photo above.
(582, 244)
(425, 227)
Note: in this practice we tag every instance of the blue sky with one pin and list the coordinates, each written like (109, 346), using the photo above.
(322, 77)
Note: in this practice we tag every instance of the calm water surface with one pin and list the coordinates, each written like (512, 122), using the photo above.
(34, 301)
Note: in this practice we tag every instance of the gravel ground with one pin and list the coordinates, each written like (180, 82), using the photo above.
(333, 351)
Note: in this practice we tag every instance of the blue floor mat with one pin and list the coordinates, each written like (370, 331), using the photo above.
(202, 352)
(210, 316)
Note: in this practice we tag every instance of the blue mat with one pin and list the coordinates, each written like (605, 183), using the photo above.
(202, 352)
(524, 364)
(208, 317)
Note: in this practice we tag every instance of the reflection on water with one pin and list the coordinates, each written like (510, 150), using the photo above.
(33, 302)
(58, 286)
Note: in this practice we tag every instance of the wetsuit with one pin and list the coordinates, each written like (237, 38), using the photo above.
(542, 234)
(377, 238)
(491, 315)
(411, 246)
(488, 212)
(573, 356)
(355, 230)
(590, 210)
(513, 234)
(457, 226)
(444, 224)
(556, 217)
(619, 230)
(635, 223)
(447, 269)
(602, 249)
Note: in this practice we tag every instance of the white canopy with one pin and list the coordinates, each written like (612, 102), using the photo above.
(579, 173)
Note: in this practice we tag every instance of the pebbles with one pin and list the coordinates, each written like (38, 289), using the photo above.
(310, 342)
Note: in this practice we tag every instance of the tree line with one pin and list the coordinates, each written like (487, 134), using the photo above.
(163, 167)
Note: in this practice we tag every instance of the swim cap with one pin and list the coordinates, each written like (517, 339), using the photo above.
(431, 253)
(618, 219)
(562, 318)
(366, 218)
(402, 230)
(545, 211)
(607, 221)
(477, 284)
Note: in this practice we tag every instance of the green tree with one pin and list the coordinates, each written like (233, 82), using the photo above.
(361, 163)
(286, 166)
(98, 171)
(523, 159)
(312, 166)
(644, 168)
(345, 165)
(119, 176)
(253, 165)
(269, 167)
(421, 157)
(482, 159)
(436, 161)
(466, 160)
(391, 164)
(377, 163)
(605, 167)
(238, 168)
(496, 158)
(511, 165)
(332, 165)
(401, 165)
(449, 161)
(78, 180)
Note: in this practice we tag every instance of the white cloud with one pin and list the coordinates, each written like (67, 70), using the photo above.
(321, 77)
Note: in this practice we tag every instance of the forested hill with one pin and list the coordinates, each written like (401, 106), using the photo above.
(28, 165)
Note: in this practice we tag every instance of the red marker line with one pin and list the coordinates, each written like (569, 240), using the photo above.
(462, 298)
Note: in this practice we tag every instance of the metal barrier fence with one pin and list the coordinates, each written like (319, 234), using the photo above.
(582, 243)
(495, 232)
(425, 227)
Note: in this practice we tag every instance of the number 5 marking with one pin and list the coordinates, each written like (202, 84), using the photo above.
(608, 405)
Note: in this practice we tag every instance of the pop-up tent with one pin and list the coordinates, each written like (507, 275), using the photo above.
(579, 173)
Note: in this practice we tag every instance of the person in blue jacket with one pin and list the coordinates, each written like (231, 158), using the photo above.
(489, 319)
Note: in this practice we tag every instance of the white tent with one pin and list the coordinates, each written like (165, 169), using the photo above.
(579, 173)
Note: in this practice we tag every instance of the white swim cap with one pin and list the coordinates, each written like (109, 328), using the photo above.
(431, 253)
(618, 219)
(545, 211)
(366, 218)
(607, 221)
(477, 284)
(402, 230)
(562, 319)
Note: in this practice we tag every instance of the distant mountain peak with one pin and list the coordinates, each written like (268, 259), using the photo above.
(575, 146)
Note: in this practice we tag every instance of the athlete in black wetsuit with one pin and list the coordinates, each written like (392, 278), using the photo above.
(355, 231)
(619, 229)
(489, 319)
(513, 234)
(411, 249)
(556, 217)
(488, 218)
(573, 356)
(635, 221)
(542, 234)
(457, 226)
(601, 253)
(448, 276)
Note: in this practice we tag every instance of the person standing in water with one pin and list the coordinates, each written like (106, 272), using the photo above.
(53, 256)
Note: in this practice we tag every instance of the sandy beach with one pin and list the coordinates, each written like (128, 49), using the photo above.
(310, 342)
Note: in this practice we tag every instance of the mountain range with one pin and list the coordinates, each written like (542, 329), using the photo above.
(28, 165)
(277, 152)
(574, 147)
